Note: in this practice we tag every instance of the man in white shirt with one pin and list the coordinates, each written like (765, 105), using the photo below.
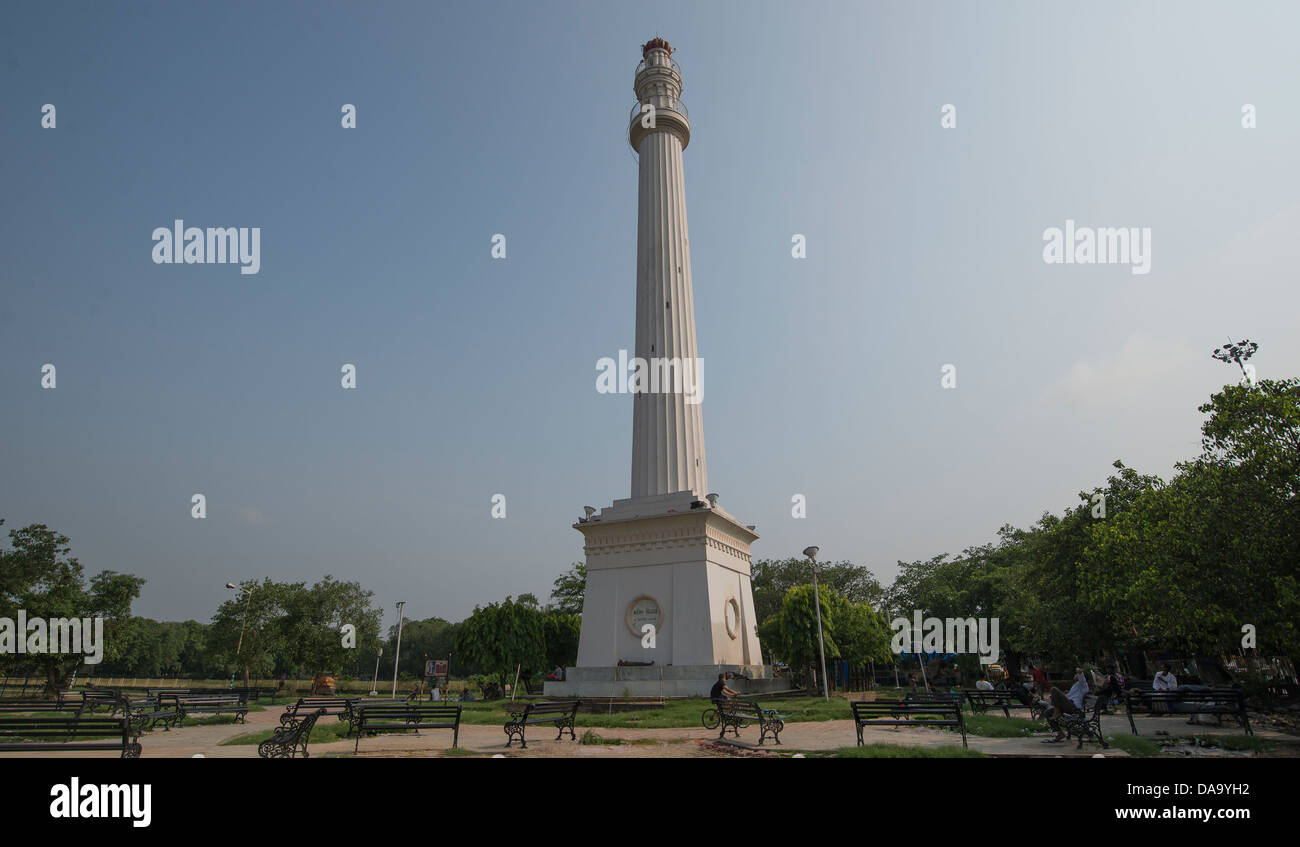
(984, 684)
(1164, 681)
(1079, 690)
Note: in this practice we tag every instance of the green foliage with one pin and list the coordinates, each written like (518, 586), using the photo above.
(290, 627)
(796, 630)
(568, 589)
(561, 633)
(1181, 564)
(772, 578)
(853, 632)
(431, 638)
(38, 575)
(501, 636)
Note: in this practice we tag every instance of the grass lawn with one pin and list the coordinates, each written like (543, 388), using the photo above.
(1134, 745)
(995, 726)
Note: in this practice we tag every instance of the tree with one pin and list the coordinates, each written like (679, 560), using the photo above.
(568, 589)
(861, 633)
(561, 632)
(431, 638)
(796, 627)
(502, 636)
(39, 576)
(312, 621)
(246, 629)
(770, 579)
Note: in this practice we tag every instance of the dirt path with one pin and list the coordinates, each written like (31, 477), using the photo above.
(639, 743)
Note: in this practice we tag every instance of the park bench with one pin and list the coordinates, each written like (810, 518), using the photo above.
(908, 713)
(352, 709)
(737, 714)
(932, 697)
(1085, 725)
(558, 713)
(38, 707)
(981, 700)
(47, 734)
(147, 710)
(295, 712)
(1186, 701)
(404, 717)
(91, 699)
(208, 704)
(290, 740)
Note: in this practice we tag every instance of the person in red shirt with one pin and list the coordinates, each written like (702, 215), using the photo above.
(1040, 678)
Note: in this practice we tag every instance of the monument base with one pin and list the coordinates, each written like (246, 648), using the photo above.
(662, 681)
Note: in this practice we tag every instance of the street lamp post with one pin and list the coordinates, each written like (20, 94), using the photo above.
(811, 553)
(239, 649)
(397, 654)
(374, 678)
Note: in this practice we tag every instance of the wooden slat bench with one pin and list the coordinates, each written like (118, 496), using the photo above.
(77, 733)
(908, 713)
(557, 713)
(405, 717)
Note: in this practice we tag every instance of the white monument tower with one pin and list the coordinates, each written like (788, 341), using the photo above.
(669, 556)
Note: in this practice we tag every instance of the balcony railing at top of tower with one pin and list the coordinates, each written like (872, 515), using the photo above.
(640, 66)
(677, 106)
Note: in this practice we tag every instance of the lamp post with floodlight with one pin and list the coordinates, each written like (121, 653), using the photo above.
(242, 626)
(811, 553)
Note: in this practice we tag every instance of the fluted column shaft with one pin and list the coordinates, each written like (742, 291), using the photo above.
(667, 431)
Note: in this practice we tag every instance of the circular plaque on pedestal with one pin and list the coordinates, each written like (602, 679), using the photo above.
(644, 610)
(731, 616)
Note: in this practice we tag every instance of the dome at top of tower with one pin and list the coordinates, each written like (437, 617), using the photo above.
(656, 42)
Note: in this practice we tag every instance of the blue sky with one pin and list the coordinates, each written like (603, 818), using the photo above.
(477, 376)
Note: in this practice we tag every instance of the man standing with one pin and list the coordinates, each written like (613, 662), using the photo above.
(1040, 679)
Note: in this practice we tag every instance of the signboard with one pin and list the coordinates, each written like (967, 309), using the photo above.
(644, 610)
(435, 667)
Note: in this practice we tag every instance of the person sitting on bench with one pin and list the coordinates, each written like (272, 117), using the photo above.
(1113, 687)
(984, 684)
(1059, 705)
(1165, 680)
(1079, 690)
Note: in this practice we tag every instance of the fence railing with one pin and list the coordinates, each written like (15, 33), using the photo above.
(677, 106)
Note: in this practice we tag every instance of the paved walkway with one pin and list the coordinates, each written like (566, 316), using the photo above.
(647, 743)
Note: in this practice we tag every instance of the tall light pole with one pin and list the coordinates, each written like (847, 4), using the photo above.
(811, 553)
(374, 679)
(242, 626)
(397, 654)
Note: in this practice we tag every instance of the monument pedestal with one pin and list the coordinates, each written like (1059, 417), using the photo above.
(679, 565)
